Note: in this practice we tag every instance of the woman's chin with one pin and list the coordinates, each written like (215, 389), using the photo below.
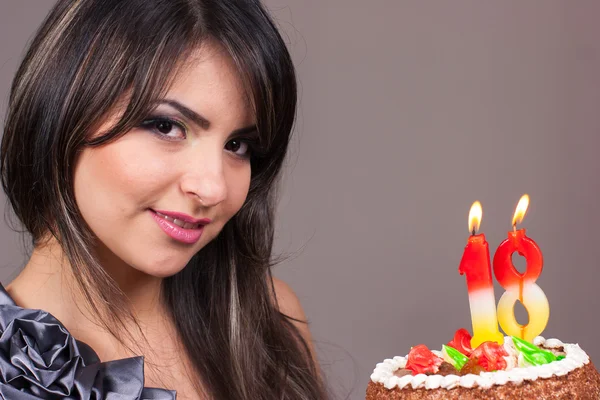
(161, 269)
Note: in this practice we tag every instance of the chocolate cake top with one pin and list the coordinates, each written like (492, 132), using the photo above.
(575, 358)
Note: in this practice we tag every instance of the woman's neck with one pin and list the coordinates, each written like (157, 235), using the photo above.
(47, 282)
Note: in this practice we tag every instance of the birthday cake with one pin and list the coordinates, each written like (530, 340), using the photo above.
(517, 369)
(522, 365)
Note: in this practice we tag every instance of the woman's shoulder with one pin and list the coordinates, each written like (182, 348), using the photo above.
(288, 301)
(40, 359)
(289, 305)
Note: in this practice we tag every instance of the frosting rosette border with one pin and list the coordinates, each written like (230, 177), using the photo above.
(575, 358)
(40, 359)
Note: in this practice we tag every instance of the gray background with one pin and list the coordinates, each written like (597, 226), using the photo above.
(410, 111)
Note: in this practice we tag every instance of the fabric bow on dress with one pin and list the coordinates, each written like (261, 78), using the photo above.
(39, 359)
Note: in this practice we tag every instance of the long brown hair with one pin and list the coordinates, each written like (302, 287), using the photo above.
(84, 58)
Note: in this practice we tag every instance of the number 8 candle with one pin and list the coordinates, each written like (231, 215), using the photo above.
(475, 264)
(518, 286)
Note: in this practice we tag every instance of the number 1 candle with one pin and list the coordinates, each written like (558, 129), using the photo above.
(518, 286)
(475, 264)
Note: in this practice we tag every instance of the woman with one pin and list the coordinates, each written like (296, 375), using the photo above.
(141, 151)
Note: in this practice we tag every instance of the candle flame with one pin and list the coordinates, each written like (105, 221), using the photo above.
(521, 210)
(475, 215)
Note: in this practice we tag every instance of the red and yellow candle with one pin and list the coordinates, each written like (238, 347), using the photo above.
(475, 264)
(521, 286)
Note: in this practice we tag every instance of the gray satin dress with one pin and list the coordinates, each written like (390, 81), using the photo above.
(39, 359)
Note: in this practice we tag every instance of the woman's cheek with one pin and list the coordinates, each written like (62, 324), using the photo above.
(238, 184)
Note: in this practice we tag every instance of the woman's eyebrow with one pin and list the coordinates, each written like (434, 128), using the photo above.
(199, 119)
(245, 131)
(186, 112)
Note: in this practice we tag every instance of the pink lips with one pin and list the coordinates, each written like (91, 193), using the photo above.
(184, 235)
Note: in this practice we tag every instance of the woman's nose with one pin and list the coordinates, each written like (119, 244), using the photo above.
(204, 180)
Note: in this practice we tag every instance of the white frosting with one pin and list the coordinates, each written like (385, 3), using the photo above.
(450, 381)
(419, 381)
(435, 382)
(575, 358)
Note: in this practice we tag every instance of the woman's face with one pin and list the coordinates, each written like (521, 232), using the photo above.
(165, 189)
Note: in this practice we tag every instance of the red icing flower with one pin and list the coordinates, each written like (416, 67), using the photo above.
(462, 342)
(490, 355)
(422, 361)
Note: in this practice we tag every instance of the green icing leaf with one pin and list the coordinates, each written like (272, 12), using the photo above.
(454, 357)
(524, 346)
(533, 354)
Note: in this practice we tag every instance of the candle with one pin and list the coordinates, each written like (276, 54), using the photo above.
(518, 286)
(475, 264)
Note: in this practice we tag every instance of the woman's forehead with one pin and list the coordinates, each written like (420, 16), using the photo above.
(209, 82)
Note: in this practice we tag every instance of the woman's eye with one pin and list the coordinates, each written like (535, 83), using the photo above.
(165, 128)
(238, 146)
